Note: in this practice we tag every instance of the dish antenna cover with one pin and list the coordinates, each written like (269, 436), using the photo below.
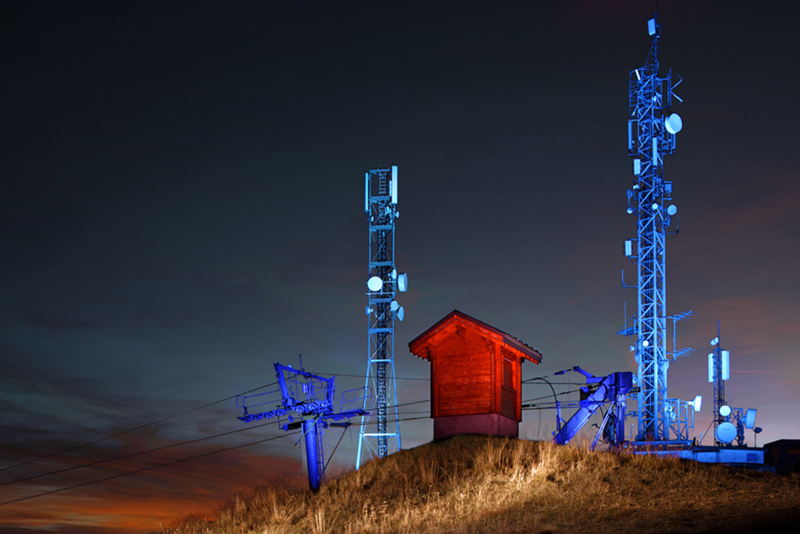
(674, 123)
(402, 282)
(725, 411)
(726, 432)
(750, 418)
(375, 283)
(697, 403)
(672, 209)
(394, 305)
(401, 313)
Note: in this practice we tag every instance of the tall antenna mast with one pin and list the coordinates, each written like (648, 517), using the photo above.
(719, 370)
(651, 135)
(380, 205)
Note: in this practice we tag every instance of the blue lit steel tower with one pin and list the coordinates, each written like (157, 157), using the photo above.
(379, 436)
(651, 135)
(719, 370)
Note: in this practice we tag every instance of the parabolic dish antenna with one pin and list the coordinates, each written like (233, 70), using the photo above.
(726, 432)
(401, 312)
(750, 418)
(725, 411)
(394, 305)
(402, 282)
(375, 283)
(674, 123)
(672, 209)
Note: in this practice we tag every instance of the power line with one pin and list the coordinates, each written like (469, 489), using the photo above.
(132, 429)
(364, 376)
(147, 469)
(90, 464)
(550, 396)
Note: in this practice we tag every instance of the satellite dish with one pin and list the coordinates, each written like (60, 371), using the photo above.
(725, 411)
(750, 418)
(402, 282)
(375, 283)
(672, 209)
(394, 274)
(726, 432)
(401, 313)
(697, 403)
(714, 341)
(394, 305)
(368, 310)
(674, 123)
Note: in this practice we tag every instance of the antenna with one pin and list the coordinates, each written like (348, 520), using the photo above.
(718, 373)
(383, 284)
(651, 136)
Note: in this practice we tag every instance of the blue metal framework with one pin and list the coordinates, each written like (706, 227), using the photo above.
(613, 389)
(651, 136)
(380, 434)
(311, 398)
(717, 375)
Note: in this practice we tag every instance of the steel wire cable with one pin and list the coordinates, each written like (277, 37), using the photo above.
(139, 453)
(132, 429)
(120, 475)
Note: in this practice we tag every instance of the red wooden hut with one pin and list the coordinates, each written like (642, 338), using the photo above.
(476, 379)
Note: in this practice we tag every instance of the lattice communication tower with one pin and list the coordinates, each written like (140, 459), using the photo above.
(380, 430)
(651, 135)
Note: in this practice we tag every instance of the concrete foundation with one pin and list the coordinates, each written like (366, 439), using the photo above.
(490, 424)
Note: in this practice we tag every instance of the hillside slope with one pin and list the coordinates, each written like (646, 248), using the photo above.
(476, 484)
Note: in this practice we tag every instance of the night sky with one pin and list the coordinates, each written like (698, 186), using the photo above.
(181, 206)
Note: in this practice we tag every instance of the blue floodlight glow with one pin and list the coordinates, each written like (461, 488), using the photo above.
(726, 364)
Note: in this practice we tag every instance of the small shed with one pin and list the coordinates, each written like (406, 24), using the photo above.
(476, 376)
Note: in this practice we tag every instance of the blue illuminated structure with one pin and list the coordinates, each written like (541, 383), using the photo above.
(380, 435)
(719, 370)
(651, 135)
(598, 391)
(309, 398)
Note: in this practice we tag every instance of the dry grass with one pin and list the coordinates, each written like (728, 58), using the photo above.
(474, 484)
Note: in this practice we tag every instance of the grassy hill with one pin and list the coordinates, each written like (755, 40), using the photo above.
(477, 484)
